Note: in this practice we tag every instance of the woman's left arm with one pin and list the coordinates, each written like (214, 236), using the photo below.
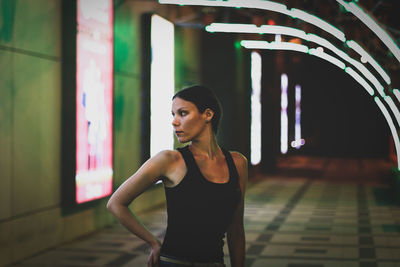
(235, 234)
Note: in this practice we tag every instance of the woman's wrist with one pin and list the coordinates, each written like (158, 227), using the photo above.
(155, 243)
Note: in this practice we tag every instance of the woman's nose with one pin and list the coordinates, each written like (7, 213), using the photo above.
(175, 121)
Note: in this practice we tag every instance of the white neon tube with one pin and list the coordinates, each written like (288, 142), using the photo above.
(368, 58)
(371, 23)
(396, 93)
(255, 108)
(320, 23)
(274, 29)
(360, 80)
(394, 109)
(298, 142)
(284, 116)
(251, 44)
(265, 5)
(392, 129)
(327, 57)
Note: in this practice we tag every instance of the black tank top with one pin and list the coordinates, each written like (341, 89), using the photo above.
(199, 212)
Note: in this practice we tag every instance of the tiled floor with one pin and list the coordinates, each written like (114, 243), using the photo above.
(314, 213)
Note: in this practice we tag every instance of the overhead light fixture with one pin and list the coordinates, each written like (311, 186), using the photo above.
(275, 29)
(320, 23)
(321, 54)
(394, 109)
(266, 5)
(368, 58)
(252, 44)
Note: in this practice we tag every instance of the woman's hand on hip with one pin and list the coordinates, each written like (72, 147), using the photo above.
(154, 255)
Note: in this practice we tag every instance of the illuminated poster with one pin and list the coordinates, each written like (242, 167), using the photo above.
(94, 169)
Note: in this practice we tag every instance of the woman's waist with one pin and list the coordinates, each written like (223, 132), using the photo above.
(167, 260)
(194, 247)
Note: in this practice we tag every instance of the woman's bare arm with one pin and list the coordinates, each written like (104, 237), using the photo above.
(149, 173)
(235, 234)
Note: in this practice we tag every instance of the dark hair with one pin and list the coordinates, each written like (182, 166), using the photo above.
(203, 98)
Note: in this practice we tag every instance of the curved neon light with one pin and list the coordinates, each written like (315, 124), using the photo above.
(368, 58)
(252, 44)
(396, 93)
(371, 23)
(275, 29)
(393, 107)
(321, 54)
(266, 5)
(281, 8)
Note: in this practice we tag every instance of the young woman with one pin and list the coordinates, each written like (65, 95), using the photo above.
(204, 186)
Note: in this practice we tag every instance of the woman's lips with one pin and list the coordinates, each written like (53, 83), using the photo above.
(178, 132)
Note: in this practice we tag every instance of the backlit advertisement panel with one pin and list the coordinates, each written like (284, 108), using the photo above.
(94, 95)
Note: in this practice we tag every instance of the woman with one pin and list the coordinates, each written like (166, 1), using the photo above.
(204, 186)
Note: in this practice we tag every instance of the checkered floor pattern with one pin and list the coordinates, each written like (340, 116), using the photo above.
(313, 213)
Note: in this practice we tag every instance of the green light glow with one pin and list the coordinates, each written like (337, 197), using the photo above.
(392, 128)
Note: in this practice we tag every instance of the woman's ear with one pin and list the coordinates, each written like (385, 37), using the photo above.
(209, 114)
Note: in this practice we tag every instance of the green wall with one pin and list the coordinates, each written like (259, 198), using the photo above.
(31, 219)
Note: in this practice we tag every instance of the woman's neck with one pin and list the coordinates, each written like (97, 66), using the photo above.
(206, 145)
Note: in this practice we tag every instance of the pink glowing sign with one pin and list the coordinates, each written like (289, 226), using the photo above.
(94, 168)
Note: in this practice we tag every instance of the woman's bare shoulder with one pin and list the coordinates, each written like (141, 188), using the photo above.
(169, 156)
(239, 159)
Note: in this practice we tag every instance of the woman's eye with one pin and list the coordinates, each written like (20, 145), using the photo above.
(183, 113)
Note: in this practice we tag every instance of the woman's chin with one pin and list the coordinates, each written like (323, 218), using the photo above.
(182, 140)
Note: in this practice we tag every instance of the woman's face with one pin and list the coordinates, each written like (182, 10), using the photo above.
(187, 121)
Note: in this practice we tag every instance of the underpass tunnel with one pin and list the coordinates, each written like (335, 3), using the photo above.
(85, 90)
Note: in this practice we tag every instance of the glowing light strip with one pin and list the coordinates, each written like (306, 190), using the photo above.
(366, 86)
(319, 53)
(256, 65)
(320, 23)
(284, 116)
(394, 109)
(250, 44)
(392, 129)
(266, 5)
(396, 93)
(371, 23)
(252, 28)
(368, 75)
(368, 58)
(360, 80)
(273, 29)
(298, 142)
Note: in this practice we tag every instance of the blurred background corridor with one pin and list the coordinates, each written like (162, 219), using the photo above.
(310, 94)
